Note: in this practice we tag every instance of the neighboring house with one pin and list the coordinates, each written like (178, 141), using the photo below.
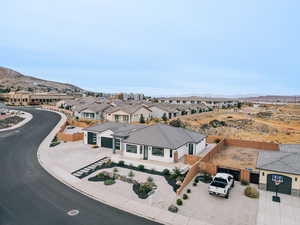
(158, 110)
(284, 164)
(157, 142)
(127, 113)
(93, 111)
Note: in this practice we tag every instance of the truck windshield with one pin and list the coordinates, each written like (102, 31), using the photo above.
(218, 184)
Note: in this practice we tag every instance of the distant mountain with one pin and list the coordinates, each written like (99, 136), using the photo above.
(15, 81)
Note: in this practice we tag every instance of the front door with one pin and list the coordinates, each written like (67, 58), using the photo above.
(191, 149)
(145, 152)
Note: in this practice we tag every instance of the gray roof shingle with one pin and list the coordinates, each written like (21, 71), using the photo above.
(286, 162)
(161, 135)
(119, 129)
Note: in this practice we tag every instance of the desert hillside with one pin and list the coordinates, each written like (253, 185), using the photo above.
(12, 80)
(272, 123)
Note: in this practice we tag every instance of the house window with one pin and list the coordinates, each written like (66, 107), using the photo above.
(117, 117)
(131, 148)
(296, 179)
(171, 153)
(156, 151)
(263, 173)
(126, 118)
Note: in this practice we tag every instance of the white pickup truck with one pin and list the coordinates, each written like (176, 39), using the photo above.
(221, 185)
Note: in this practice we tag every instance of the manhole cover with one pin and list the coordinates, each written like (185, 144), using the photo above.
(73, 212)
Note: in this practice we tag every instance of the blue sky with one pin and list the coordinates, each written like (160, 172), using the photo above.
(167, 47)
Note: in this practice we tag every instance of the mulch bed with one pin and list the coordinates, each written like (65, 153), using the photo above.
(10, 121)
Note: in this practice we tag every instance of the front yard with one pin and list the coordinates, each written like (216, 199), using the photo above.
(237, 210)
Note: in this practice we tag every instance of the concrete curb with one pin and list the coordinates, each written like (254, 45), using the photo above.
(22, 123)
(152, 213)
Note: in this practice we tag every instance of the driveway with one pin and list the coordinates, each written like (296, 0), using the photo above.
(237, 210)
(272, 213)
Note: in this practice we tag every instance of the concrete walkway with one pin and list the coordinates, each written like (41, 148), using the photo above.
(117, 201)
(27, 117)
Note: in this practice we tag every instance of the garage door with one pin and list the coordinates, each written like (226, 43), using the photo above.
(92, 138)
(254, 177)
(106, 142)
(235, 173)
(284, 188)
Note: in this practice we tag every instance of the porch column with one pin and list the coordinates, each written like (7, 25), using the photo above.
(114, 145)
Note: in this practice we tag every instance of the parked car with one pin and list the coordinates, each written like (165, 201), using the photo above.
(221, 185)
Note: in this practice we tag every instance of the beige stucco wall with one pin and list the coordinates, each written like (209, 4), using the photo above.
(263, 179)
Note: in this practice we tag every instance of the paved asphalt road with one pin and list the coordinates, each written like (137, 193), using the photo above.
(29, 195)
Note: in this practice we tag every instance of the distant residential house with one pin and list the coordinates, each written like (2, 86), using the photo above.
(158, 110)
(94, 111)
(127, 113)
(157, 142)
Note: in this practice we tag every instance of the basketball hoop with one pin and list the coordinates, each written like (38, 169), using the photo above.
(277, 179)
(277, 182)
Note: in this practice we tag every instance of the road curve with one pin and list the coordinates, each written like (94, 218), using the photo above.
(30, 196)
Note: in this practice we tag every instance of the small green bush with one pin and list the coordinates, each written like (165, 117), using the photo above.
(109, 182)
(188, 191)
(100, 175)
(131, 174)
(116, 170)
(179, 201)
(185, 196)
(150, 179)
(173, 208)
(141, 167)
(166, 172)
(251, 192)
(244, 182)
(121, 163)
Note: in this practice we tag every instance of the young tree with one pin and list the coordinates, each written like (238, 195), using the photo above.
(164, 117)
(142, 119)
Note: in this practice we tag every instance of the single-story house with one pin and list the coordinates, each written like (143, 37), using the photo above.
(283, 165)
(157, 142)
(158, 110)
(127, 113)
(93, 111)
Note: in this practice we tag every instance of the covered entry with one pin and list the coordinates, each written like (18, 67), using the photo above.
(285, 187)
(91, 138)
(106, 142)
(235, 173)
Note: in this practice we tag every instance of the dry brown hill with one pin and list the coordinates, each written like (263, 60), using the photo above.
(15, 81)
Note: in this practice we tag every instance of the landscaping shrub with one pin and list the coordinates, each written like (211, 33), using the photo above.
(121, 163)
(166, 172)
(188, 191)
(244, 182)
(131, 166)
(150, 179)
(109, 182)
(95, 146)
(142, 190)
(251, 192)
(131, 174)
(179, 201)
(177, 123)
(194, 184)
(185, 196)
(141, 167)
(116, 170)
(100, 175)
(173, 208)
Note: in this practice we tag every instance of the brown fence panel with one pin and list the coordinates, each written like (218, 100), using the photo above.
(194, 170)
(191, 159)
(252, 144)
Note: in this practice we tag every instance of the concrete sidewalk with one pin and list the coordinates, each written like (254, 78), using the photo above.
(117, 201)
